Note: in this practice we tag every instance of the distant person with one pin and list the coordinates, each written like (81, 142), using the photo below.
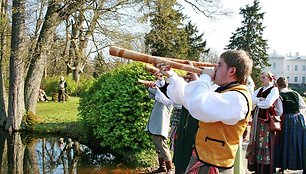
(62, 89)
(42, 96)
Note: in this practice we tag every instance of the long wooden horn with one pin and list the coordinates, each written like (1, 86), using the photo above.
(133, 55)
(145, 82)
(153, 70)
(194, 63)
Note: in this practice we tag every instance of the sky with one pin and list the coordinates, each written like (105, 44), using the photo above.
(284, 21)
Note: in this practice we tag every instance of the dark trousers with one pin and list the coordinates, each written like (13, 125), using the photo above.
(61, 95)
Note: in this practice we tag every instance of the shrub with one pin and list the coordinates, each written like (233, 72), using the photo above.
(116, 108)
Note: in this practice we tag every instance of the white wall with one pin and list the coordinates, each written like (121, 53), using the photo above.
(286, 66)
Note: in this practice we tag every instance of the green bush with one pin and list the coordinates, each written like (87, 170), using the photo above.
(50, 85)
(116, 108)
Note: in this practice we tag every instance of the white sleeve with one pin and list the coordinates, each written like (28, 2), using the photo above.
(175, 89)
(279, 107)
(160, 97)
(250, 84)
(152, 93)
(269, 100)
(209, 106)
(160, 83)
(301, 102)
(255, 99)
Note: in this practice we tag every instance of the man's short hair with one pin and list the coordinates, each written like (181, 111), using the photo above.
(241, 61)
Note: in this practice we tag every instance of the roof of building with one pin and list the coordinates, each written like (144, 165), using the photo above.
(289, 57)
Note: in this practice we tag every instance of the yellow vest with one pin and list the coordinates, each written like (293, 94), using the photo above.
(217, 143)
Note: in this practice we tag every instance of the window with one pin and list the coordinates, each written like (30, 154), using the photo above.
(303, 79)
(274, 65)
(288, 67)
(295, 68)
(304, 67)
(295, 79)
(288, 78)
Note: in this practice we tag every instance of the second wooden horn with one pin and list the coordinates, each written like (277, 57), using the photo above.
(133, 55)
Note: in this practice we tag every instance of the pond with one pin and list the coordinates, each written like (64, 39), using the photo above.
(20, 153)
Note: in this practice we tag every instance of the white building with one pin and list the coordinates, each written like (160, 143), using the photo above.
(292, 67)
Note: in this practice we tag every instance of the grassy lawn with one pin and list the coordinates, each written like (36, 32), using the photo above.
(55, 117)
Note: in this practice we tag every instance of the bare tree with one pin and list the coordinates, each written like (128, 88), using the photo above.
(56, 14)
(3, 49)
(16, 108)
(210, 9)
(90, 24)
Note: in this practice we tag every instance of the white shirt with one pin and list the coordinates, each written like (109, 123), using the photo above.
(205, 104)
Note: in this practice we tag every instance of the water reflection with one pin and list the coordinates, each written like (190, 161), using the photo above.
(23, 154)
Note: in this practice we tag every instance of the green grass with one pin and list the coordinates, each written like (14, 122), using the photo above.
(58, 112)
(55, 117)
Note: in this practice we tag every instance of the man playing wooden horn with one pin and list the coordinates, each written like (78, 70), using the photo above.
(223, 114)
(158, 125)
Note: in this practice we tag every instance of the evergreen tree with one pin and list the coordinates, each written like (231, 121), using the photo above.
(169, 37)
(196, 45)
(249, 38)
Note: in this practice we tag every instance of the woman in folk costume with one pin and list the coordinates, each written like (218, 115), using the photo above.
(158, 126)
(290, 147)
(260, 150)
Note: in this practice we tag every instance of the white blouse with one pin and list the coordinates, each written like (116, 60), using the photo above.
(269, 100)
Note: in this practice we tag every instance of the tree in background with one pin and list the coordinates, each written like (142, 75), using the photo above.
(195, 43)
(169, 37)
(249, 38)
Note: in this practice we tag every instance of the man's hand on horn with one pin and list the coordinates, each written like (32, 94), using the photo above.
(165, 70)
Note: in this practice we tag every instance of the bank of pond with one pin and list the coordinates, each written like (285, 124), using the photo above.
(24, 153)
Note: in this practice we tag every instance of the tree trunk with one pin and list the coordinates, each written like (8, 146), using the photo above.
(15, 152)
(3, 152)
(39, 60)
(16, 108)
(3, 99)
(76, 72)
(3, 47)
(30, 157)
